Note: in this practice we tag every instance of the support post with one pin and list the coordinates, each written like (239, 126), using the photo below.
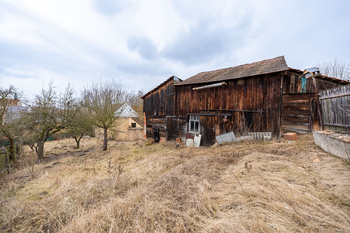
(144, 125)
(318, 102)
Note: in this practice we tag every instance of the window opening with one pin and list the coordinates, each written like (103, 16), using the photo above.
(194, 124)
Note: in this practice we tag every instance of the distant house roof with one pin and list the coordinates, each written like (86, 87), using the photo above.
(12, 102)
(176, 80)
(273, 65)
(126, 111)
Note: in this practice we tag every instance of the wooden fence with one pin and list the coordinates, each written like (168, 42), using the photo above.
(335, 105)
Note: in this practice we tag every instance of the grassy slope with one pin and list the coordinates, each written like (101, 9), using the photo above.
(289, 187)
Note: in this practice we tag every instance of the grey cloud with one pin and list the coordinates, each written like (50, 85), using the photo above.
(204, 43)
(144, 68)
(109, 7)
(143, 46)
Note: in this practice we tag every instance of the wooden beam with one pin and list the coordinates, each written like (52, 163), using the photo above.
(337, 125)
(318, 102)
(334, 96)
(209, 114)
(231, 110)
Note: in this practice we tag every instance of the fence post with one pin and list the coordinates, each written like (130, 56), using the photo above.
(318, 102)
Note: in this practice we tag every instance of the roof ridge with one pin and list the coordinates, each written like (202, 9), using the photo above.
(265, 66)
(239, 65)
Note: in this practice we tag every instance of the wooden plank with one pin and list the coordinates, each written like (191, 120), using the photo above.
(296, 113)
(210, 114)
(232, 110)
(296, 107)
(295, 129)
(337, 125)
(296, 119)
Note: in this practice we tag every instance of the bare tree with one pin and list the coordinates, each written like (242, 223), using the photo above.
(9, 100)
(81, 124)
(103, 100)
(136, 102)
(335, 68)
(50, 113)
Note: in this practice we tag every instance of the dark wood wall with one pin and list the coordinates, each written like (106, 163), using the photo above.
(300, 110)
(294, 83)
(157, 105)
(261, 103)
(160, 102)
(241, 98)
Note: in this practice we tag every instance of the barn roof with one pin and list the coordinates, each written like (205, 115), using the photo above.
(336, 80)
(257, 68)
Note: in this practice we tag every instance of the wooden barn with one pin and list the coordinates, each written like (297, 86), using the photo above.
(265, 96)
(159, 110)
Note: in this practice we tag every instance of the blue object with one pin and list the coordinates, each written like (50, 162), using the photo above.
(303, 85)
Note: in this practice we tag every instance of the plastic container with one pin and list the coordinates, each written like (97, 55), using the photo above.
(189, 142)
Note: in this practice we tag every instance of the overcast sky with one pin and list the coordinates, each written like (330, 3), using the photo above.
(143, 42)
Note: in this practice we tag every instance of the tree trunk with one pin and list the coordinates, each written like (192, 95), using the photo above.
(77, 141)
(12, 150)
(40, 150)
(105, 139)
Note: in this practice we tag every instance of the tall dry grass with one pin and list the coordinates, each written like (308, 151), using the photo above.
(242, 187)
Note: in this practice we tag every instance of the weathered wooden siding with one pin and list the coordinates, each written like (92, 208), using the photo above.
(160, 102)
(261, 103)
(295, 83)
(157, 105)
(158, 123)
(242, 98)
(175, 127)
(297, 112)
(300, 112)
(336, 108)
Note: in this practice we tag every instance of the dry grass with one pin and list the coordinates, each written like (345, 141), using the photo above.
(242, 187)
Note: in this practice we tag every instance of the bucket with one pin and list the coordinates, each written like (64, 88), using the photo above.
(189, 142)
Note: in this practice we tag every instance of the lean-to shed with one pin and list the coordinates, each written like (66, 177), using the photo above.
(264, 96)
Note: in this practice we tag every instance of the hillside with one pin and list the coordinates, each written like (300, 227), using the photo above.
(135, 187)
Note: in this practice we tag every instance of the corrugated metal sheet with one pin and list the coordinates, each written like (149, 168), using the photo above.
(126, 111)
(273, 65)
(312, 70)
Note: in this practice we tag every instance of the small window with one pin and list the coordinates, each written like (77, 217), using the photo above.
(194, 124)
(133, 125)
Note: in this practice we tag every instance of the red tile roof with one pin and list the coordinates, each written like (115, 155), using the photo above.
(12, 102)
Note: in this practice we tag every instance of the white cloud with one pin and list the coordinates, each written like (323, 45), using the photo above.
(144, 42)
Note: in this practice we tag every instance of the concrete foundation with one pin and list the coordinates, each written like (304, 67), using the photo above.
(334, 143)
